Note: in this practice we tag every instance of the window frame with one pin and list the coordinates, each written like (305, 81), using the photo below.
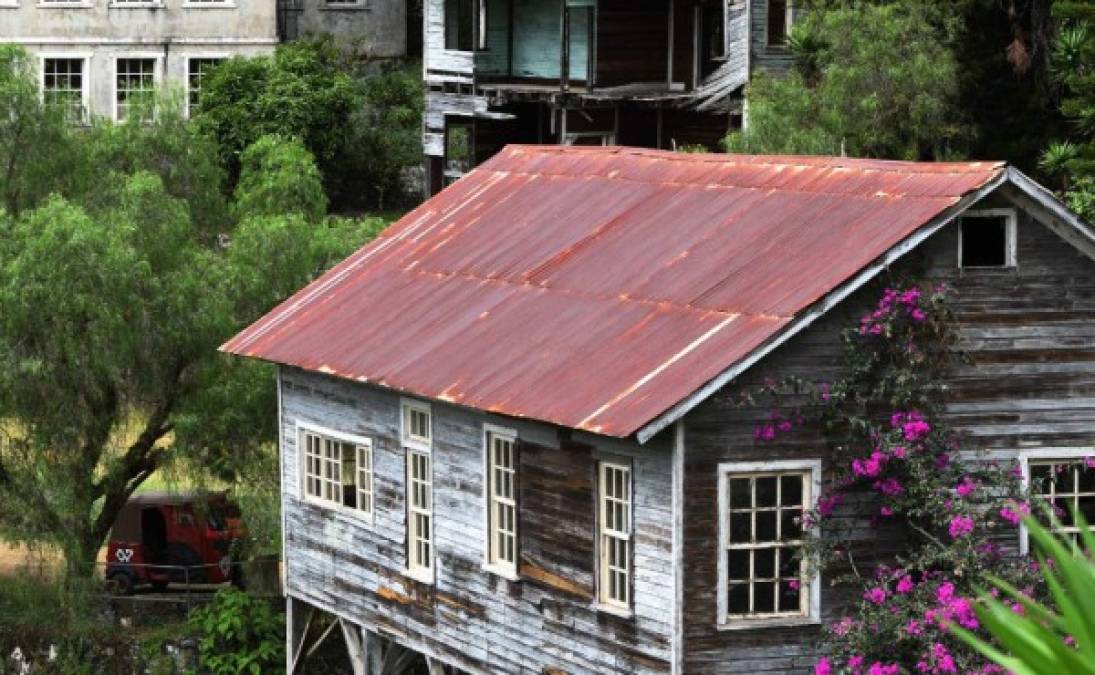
(726, 470)
(358, 441)
(85, 79)
(422, 572)
(1011, 237)
(1062, 455)
(219, 57)
(500, 568)
(157, 76)
(343, 5)
(407, 438)
(604, 603)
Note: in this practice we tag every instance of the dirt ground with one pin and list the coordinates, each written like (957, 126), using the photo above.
(16, 559)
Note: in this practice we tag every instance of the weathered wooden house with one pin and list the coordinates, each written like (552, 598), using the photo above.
(507, 433)
(646, 73)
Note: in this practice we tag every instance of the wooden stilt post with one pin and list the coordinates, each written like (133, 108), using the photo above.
(354, 646)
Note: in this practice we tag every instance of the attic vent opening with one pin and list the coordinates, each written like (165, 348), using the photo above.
(987, 239)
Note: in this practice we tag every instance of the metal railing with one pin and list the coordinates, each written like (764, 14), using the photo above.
(195, 587)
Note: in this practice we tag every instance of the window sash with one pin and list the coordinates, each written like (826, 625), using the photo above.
(502, 501)
(419, 511)
(63, 84)
(197, 68)
(779, 546)
(614, 541)
(417, 425)
(1072, 496)
(135, 78)
(328, 461)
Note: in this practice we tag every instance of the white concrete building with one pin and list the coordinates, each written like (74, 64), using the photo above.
(103, 55)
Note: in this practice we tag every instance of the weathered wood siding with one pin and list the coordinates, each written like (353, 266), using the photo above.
(765, 57)
(1031, 334)
(470, 618)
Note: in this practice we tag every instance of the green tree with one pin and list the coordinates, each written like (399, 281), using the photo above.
(36, 151)
(874, 83)
(112, 304)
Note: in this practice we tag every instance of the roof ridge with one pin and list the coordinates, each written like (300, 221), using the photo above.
(761, 160)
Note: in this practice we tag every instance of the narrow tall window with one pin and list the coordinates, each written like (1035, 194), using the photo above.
(1068, 484)
(417, 433)
(419, 513)
(779, 21)
(197, 70)
(502, 501)
(338, 471)
(63, 87)
(614, 541)
(134, 87)
(763, 571)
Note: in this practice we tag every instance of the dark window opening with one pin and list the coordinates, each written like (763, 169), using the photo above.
(777, 23)
(712, 27)
(984, 241)
(459, 24)
(458, 150)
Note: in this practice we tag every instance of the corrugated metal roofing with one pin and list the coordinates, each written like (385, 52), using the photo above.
(597, 287)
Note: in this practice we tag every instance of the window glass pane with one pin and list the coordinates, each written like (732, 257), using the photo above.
(737, 601)
(764, 597)
(1086, 477)
(766, 491)
(741, 496)
(766, 525)
(789, 600)
(738, 563)
(790, 524)
(741, 527)
(791, 491)
(764, 563)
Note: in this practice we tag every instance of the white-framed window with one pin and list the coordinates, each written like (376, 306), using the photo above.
(136, 3)
(763, 573)
(134, 86)
(209, 4)
(987, 238)
(500, 448)
(1065, 477)
(345, 4)
(196, 70)
(417, 424)
(65, 85)
(419, 515)
(81, 4)
(614, 530)
(336, 469)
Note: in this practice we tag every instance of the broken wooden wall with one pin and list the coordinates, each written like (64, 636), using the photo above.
(1031, 334)
(472, 619)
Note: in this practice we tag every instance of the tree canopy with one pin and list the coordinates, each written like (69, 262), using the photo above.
(116, 293)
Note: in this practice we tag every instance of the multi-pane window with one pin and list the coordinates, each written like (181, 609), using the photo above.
(417, 433)
(1069, 486)
(197, 69)
(763, 569)
(502, 501)
(63, 86)
(614, 529)
(134, 86)
(419, 512)
(338, 471)
(417, 425)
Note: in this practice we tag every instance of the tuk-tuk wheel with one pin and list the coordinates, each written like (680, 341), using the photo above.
(120, 583)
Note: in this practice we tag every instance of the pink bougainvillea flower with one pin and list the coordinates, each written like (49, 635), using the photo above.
(1014, 512)
(885, 512)
(856, 662)
(918, 315)
(1089, 462)
(878, 668)
(826, 505)
(960, 526)
(764, 432)
(899, 451)
(905, 585)
(876, 595)
(914, 628)
(966, 487)
(823, 667)
(1070, 641)
(793, 584)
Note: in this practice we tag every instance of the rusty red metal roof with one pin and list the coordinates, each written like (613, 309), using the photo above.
(595, 288)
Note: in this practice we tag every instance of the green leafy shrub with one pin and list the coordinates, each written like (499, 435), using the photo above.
(239, 633)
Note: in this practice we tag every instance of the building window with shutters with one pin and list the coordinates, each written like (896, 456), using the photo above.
(500, 447)
(417, 435)
(764, 578)
(336, 469)
(614, 543)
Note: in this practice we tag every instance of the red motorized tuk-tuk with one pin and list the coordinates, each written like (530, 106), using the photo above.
(160, 538)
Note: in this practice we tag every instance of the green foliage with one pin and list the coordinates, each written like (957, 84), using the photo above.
(1043, 639)
(116, 287)
(362, 131)
(876, 84)
(1074, 65)
(239, 634)
(36, 150)
(278, 177)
